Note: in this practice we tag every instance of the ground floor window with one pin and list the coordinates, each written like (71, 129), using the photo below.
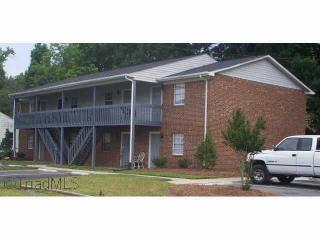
(178, 142)
(30, 142)
(106, 142)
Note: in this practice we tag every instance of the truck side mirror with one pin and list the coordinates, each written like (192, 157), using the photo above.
(274, 147)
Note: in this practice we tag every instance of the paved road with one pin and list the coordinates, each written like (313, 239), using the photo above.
(12, 175)
(301, 187)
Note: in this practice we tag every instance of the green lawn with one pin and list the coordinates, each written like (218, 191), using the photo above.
(17, 162)
(164, 174)
(121, 185)
(5, 168)
(14, 192)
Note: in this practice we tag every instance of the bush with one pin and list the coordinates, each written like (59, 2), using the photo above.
(6, 144)
(160, 162)
(206, 152)
(183, 163)
(20, 155)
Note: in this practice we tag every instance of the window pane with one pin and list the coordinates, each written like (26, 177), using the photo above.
(30, 142)
(177, 144)
(108, 98)
(179, 94)
(305, 144)
(289, 144)
(318, 144)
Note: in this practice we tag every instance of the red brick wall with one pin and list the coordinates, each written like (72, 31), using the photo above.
(283, 109)
(187, 119)
(23, 143)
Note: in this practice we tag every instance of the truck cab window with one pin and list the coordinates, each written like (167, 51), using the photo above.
(290, 144)
(318, 144)
(305, 144)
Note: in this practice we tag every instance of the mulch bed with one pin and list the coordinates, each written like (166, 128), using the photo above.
(197, 172)
(215, 190)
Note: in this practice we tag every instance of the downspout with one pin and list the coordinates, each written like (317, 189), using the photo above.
(14, 129)
(206, 108)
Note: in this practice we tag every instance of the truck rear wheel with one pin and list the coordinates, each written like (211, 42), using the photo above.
(260, 174)
(285, 179)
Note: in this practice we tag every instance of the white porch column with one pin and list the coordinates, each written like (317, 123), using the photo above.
(14, 144)
(94, 130)
(36, 142)
(61, 132)
(132, 122)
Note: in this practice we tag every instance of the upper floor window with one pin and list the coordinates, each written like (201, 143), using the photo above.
(179, 94)
(305, 144)
(178, 144)
(74, 102)
(108, 98)
(290, 144)
(30, 142)
(106, 142)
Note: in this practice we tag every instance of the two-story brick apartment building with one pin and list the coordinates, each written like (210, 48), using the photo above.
(161, 108)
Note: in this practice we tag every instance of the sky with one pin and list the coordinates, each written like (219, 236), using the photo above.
(19, 62)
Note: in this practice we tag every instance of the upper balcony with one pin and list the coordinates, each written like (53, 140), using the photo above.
(107, 105)
(145, 114)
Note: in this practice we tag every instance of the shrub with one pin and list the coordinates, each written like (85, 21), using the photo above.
(160, 162)
(6, 144)
(183, 163)
(20, 155)
(206, 152)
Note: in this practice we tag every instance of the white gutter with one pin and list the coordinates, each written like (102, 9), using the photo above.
(193, 75)
(96, 80)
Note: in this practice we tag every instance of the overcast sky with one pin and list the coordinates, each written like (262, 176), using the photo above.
(19, 62)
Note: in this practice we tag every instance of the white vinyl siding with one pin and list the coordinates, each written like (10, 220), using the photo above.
(178, 144)
(262, 71)
(5, 123)
(172, 68)
(179, 94)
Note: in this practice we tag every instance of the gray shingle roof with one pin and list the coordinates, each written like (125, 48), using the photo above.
(216, 66)
(118, 71)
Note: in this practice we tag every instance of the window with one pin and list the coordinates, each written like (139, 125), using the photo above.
(179, 94)
(30, 142)
(318, 144)
(177, 148)
(290, 144)
(106, 142)
(74, 102)
(108, 98)
(126, 96)
(305, 144)
(31, 107)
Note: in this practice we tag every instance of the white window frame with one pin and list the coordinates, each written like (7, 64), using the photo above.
(30, 138)
(174, 149)
(174, 94)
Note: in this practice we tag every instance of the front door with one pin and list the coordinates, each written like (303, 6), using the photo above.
(125, 149)
(154, 147)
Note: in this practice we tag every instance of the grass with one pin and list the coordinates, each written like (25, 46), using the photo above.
(164, 173)
(121, 185)
(15, 192)
(17, 162)
(6, 168)
(107, 169)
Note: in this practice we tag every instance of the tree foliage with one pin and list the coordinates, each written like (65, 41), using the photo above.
(244, 138)
(206, 152)
(6, 144)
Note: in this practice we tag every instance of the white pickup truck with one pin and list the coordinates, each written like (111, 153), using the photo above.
(294, 156)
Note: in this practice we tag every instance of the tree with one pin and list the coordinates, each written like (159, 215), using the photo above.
(6, 144)
(206, 152)
(244, 139)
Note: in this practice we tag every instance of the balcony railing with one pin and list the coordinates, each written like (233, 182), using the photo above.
(145, 114)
